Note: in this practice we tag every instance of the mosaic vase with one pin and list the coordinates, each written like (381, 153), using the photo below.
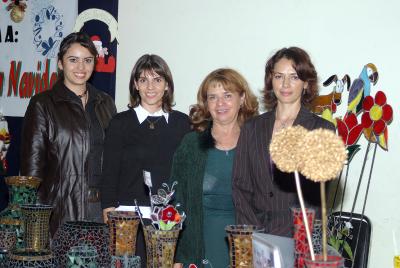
(36, 226)
(8, 238)
(125, 261)
(301, 248)
(331, 262)
(240, 239)
(25, 258)
(83, 256)
(317, 236)
(160, 246)
(76, 233)
(123, 230)
(3, 258)
(22, 190)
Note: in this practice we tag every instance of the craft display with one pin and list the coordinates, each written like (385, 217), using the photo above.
(396, 261)
(241, 244)
(4, 144)
(83, 256)
(77, 233)
(366, 115)
(25, 258)
(160, 246)
(323, 104)
(319, 155)
(3, 257)
(317, 236)
(166, 222)
(8, 239)
(125, 262)
(22, 190)
(36, 225)
(17, 10)
(287, 154)
(329, 262)
(301, 245)
(123, 230)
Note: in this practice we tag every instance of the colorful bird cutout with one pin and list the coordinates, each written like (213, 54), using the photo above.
(361, 88)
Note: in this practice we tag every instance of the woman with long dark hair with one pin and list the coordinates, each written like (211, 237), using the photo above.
(63, 133)
(262, 194)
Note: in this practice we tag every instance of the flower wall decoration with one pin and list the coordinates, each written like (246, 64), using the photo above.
(375, 115)
(375, 118)
(350, 130)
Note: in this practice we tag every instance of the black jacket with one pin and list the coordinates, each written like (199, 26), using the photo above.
(55, 146)
(263, 195)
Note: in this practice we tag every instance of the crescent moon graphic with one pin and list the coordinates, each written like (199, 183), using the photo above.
(101, 15)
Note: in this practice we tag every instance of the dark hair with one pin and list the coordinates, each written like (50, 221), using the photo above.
(80, 38)
(153, 64)
(304, 69)
(232, 82)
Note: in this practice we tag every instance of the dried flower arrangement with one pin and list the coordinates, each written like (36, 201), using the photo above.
(319, 155)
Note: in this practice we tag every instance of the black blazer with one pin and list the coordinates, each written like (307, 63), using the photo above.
(262, 194)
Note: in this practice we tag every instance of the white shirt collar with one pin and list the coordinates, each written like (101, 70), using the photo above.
(142, 113)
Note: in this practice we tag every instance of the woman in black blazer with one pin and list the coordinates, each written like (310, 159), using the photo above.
(262, 194)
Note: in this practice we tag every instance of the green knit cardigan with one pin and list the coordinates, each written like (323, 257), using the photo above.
(188, 170)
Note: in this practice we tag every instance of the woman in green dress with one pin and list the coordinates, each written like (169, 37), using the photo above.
(202, 166)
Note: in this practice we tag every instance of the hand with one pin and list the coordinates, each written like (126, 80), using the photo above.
(105, 218)
(178, 265)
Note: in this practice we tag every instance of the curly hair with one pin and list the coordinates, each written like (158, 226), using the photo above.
(152, 64)
(305, 70)
(232, 82)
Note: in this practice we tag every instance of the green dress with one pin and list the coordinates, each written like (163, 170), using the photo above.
(218, 206)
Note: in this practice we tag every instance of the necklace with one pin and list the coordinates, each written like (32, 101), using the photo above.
(286, 123)
(283, 123)
(83, 94)
(84, 97)
(152, 123)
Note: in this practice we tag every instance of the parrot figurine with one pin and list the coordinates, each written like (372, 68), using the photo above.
(361, 88)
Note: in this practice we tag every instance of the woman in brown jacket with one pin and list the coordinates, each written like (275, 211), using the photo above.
(63, 133)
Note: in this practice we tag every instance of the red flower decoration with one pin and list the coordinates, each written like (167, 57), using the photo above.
(349, 129)
(377, 113)
(168, 214)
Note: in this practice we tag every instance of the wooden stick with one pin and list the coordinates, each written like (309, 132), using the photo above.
(303, 210)
(324, 222)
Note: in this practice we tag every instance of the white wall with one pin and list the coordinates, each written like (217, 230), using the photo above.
(196, 37)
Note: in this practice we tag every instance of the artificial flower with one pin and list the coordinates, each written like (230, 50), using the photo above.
(349, 129)
(377, 115)
(168, 214)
